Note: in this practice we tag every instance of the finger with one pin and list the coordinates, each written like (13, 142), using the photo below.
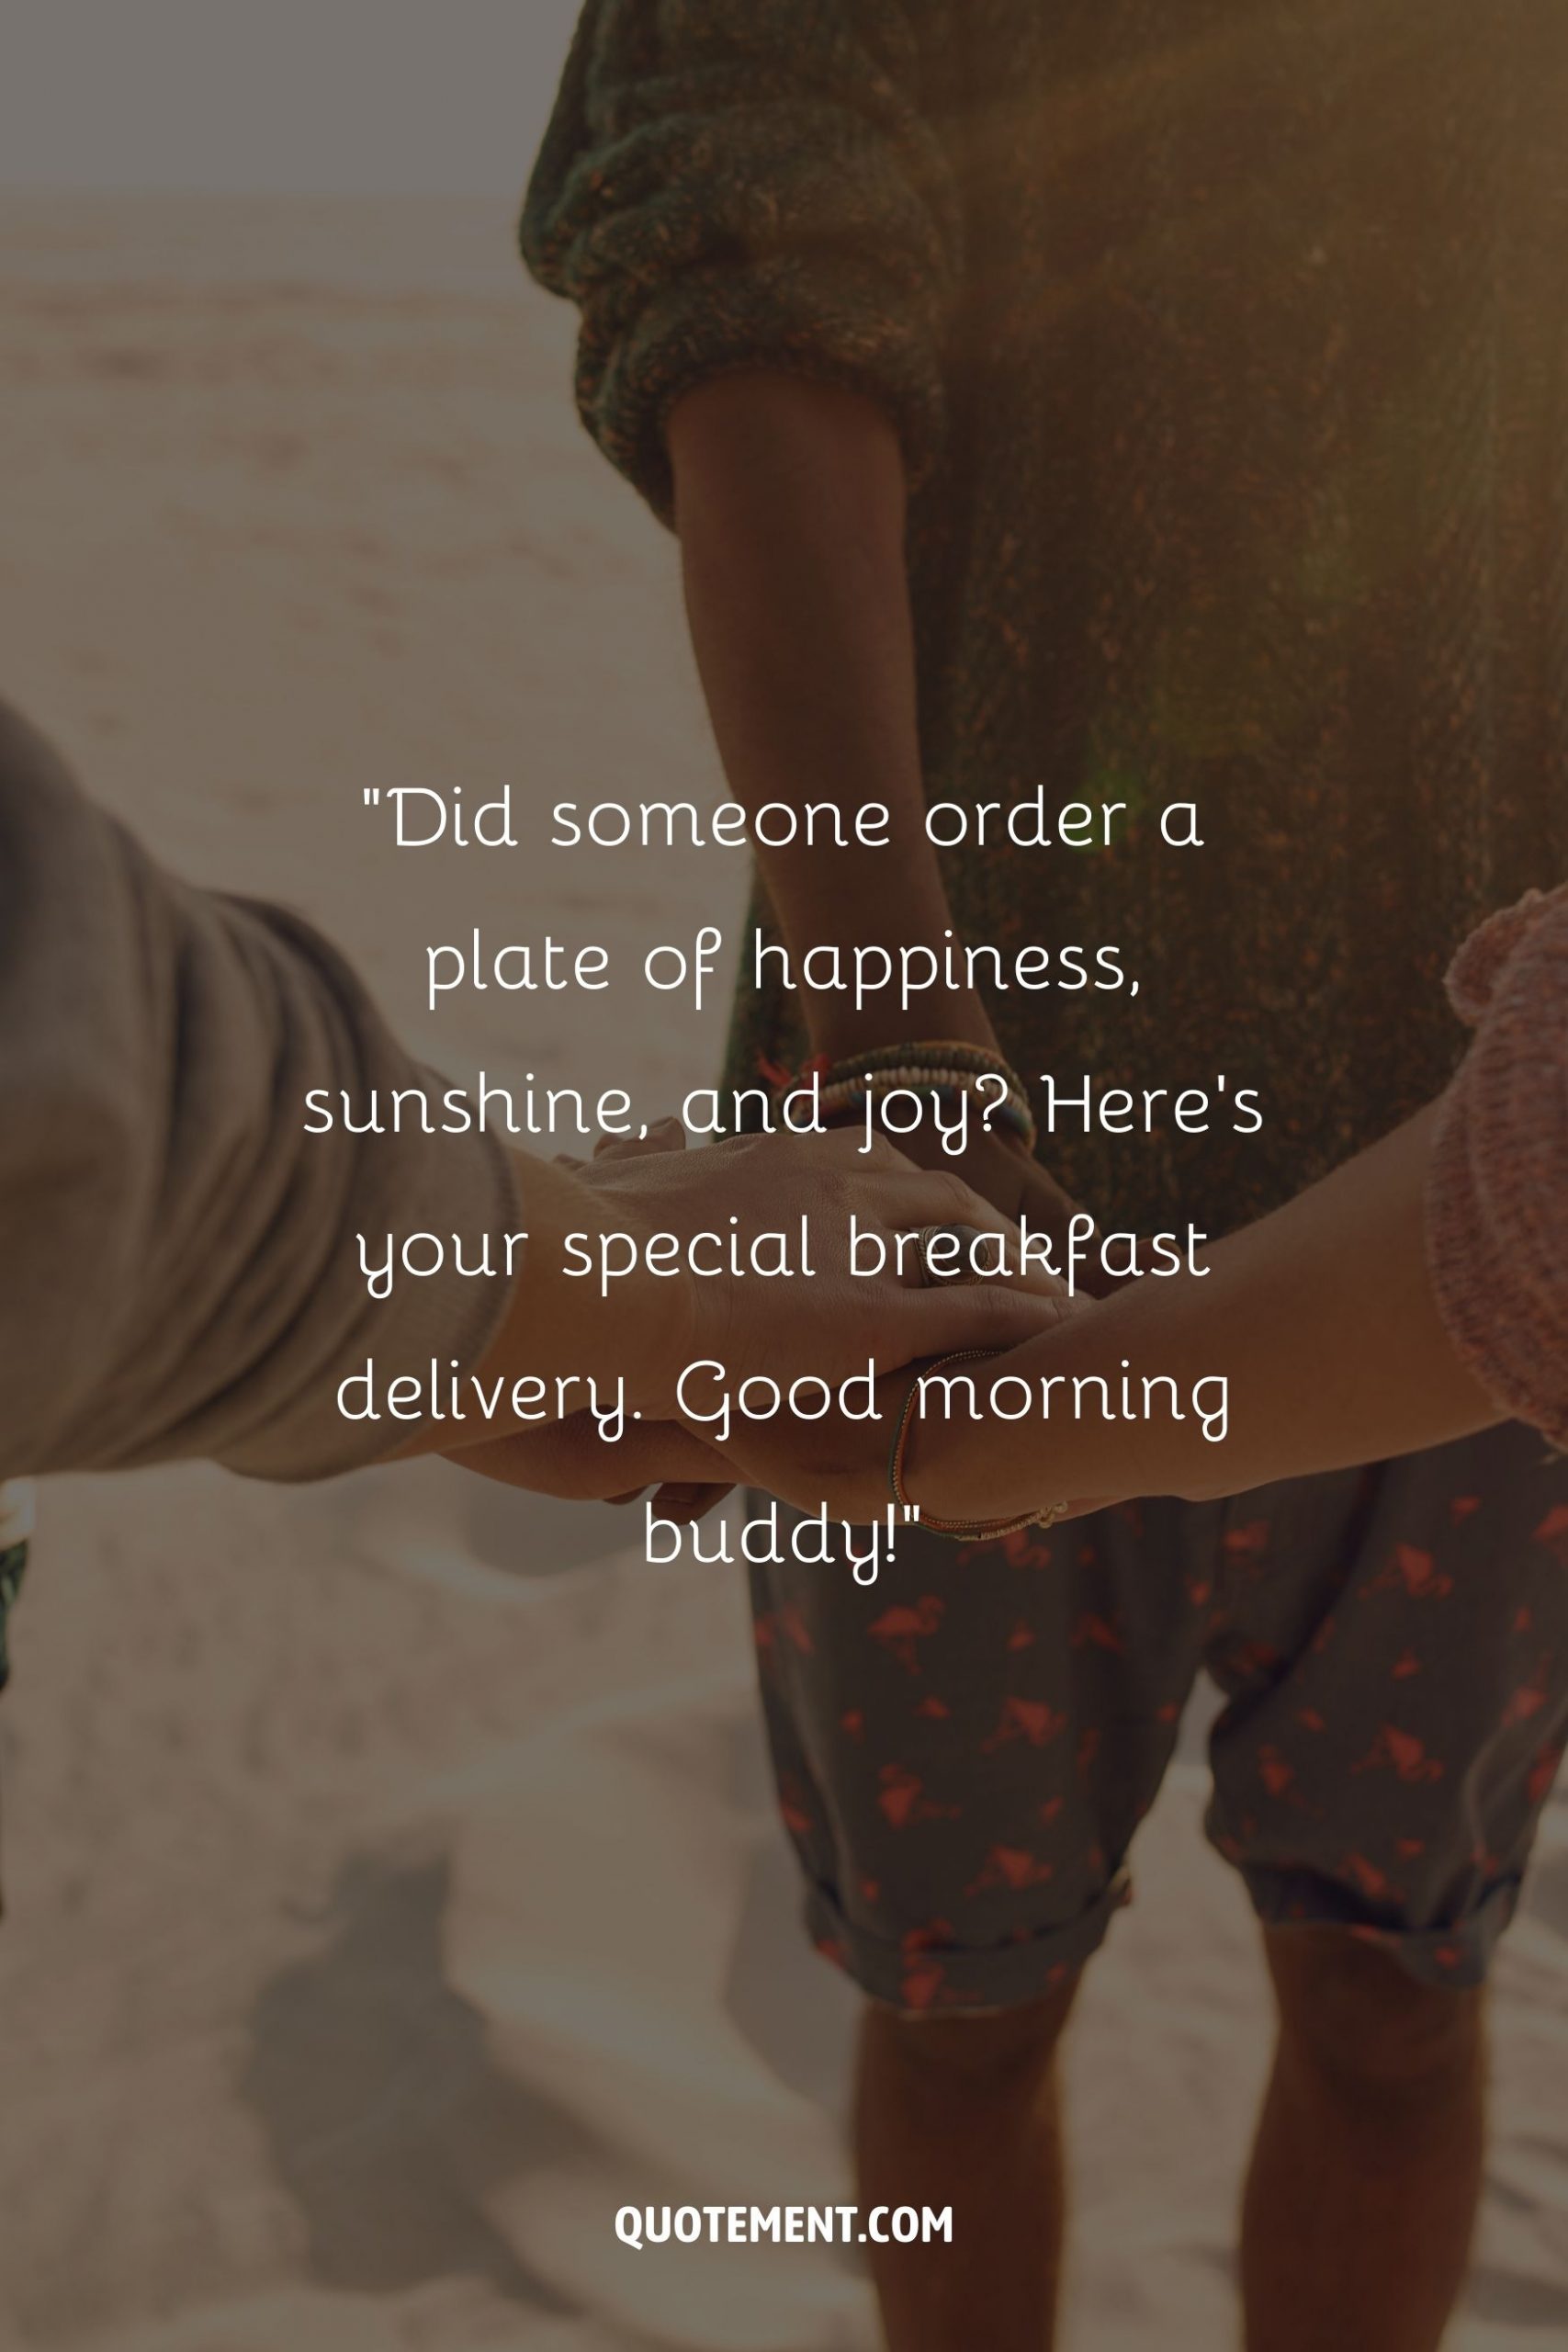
(993, 1315)
(1034, 1281)
(958, 1257)
(845, 1139)
(574, 1463)
(688, 1502)
(664, 1134)
(913, 1197)
(1087, 1510)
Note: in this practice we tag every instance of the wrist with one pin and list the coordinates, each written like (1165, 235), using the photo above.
(962, 1472)
(652, 1326)
(948, 1074)
(557, 1325)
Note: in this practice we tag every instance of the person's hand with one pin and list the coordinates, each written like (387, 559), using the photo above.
(573, 1462)
(842, 1459)
(842, 1463)
(770, 1329)
(828, 1324)
(1014, 1182)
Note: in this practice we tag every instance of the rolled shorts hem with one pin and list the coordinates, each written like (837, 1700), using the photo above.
(923, 1981)
(1454, 1957)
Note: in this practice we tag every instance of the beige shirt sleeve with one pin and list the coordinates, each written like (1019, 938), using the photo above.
(179, 1274)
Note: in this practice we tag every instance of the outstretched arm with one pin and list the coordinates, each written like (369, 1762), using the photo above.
(760, 226)
(790, 506)
(1417, 1295)
(1323, 1320)
(180, 1268)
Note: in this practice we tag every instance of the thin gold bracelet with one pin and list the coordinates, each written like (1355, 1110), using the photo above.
(960, 1531)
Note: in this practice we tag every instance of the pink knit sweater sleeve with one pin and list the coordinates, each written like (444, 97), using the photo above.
(1497, 1201)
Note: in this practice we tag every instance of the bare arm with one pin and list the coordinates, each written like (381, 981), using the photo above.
(182, 1262)
(790, 505)
(1324, 1319)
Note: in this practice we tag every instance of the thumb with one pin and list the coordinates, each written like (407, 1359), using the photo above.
(572, 1462)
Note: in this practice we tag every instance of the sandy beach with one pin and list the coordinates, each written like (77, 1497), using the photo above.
(392, 1884)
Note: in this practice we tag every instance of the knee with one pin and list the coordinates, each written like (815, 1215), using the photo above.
(986, 2059)
(1367, 2031)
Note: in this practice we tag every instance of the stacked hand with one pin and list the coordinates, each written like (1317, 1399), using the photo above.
(826, 1326)
(1006, 1175)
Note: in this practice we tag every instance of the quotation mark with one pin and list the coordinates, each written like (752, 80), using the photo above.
(372, 795)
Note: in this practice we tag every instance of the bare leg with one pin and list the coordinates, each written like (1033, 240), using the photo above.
(1367, 2172)
(963, 2112)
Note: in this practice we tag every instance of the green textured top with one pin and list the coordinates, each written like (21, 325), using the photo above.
(1228, 343)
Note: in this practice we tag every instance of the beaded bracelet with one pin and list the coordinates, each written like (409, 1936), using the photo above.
(960, 1531)
(947, 1068)
(949, 1088)
(916, 1074)
(911, 1073)
(924, 1053)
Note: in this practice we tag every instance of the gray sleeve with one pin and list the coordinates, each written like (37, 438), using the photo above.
(179, 1275)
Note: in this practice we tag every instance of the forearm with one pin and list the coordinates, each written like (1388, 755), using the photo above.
(559, 1338)
(790, 504)
(1322, 1319)
(181, 1274)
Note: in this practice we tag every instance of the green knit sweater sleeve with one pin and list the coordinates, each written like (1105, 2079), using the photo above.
(737, 184)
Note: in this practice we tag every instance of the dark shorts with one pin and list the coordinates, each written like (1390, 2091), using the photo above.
(964, 1750)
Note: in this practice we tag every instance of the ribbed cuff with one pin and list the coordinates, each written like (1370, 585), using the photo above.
(1497, 1191)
